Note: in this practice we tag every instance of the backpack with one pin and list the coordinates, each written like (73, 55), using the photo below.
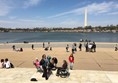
(12, 66)
(33, 79)
(42, 62)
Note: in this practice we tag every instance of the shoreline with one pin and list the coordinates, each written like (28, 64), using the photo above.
(53, 44)
(57, 42)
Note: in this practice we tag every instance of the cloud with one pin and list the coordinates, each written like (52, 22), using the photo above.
(29, 3)
(69, 23)
(116, 6)
(12, 17)
(94, 8)
(5, 7)
(6, 22)
(22, 23)
(113, 13)
(26, 20)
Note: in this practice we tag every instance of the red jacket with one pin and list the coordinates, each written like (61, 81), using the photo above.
(71, 59)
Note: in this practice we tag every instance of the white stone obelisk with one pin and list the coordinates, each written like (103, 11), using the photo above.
(85, 18)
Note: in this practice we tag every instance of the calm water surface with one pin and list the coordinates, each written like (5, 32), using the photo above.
(56, 37)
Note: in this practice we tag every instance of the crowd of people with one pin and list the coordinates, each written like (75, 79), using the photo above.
(47, 64)
(48, 47)
(89, 47)
(17, 50)
(5, 63)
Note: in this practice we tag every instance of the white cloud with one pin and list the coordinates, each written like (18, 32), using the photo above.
(5, 7)
(5, 22)
(69, 23)
(113, 13)
(116, 6)
(22, 23)
(12, 17)
(26, 20)
(94, 8)
(29, 3)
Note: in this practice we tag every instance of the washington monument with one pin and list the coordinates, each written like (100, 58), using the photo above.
(85, 18)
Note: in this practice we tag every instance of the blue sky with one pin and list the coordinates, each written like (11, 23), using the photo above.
(57, 13)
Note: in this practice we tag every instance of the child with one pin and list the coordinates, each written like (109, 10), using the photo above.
(2, 63)
(71, 60)
(7, 64)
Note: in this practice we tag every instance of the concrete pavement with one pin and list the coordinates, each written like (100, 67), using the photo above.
(23, 75)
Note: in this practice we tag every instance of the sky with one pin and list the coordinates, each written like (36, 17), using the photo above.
(57, 13)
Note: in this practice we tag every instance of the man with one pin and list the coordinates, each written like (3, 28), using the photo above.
(94, 47)
(80, 47)
(32, 47)
(43, 45)
(43, 62)
(67, 47)
(73, 48)
(116, 48)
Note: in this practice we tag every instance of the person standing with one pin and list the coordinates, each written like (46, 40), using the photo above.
(73, 48)
(32, 46)
(71, 60)
(48, 44)
(43, 62)
(43, 45)
(86, 46)
(116, 48)
(67, 47)
(80, 47)
(94, 47)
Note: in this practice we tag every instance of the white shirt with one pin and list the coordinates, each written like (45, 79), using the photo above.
(89, 45)
(7, 64)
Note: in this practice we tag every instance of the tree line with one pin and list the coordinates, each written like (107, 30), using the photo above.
(46, 29)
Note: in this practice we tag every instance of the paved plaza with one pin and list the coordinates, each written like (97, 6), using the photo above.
(23, 75)
(99, 67)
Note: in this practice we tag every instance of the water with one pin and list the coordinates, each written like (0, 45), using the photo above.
(15, 37)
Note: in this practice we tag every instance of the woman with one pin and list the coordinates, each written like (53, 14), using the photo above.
(71, 60)
(64, 66)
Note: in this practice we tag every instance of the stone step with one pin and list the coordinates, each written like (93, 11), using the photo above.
(23, 75)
